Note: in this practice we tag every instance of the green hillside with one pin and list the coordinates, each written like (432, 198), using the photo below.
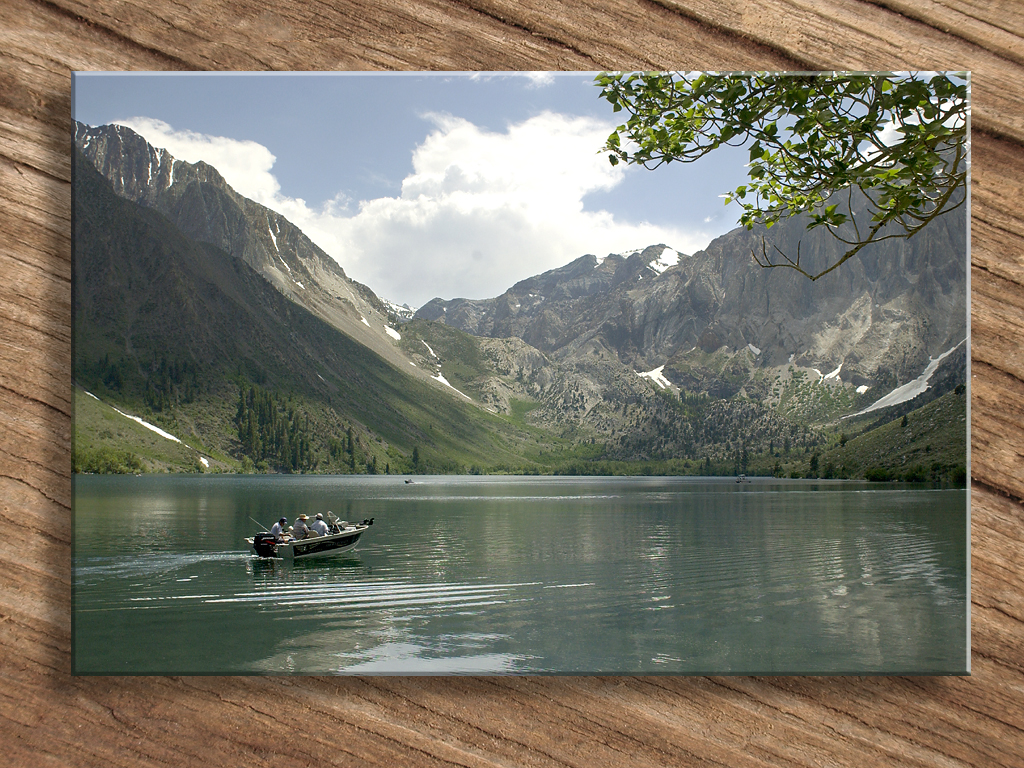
(930, 446)
(927, 444)
(196, 343)
(173, 331)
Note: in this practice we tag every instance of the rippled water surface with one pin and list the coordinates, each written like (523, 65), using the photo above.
(467, 575)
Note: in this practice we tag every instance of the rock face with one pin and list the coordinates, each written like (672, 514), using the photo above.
(877, 319)
(199, 202)
(203, 207)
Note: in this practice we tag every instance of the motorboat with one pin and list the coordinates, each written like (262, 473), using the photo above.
(342, 537)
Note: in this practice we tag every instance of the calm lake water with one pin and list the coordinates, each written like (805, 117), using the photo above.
(484, 575)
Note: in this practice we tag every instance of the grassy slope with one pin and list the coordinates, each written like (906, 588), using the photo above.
(932, 445)
(103, 434)
(458, 353)
(143, 292)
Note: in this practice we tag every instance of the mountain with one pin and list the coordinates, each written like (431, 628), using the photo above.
(175, 329)
(718, 322)
(221, 322)
(197, 200)
(710, 356)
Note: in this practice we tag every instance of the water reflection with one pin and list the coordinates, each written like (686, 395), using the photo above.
(485, 575)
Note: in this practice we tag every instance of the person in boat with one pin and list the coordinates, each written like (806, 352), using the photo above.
(277, 530)
(319, 527)
(300, 530)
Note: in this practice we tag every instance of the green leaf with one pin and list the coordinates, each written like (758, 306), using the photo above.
(808, 136)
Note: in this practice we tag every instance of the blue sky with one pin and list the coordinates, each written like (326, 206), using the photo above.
(426, 184)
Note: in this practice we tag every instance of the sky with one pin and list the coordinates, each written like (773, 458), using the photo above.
(426, 184)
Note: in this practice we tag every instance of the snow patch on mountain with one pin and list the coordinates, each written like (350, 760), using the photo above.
(911, 389)
(668, 258)
(403, 311)
(392, 333)
(657, 376)
(440, 377)
(152, 427)
(137, 420)
(273, 236)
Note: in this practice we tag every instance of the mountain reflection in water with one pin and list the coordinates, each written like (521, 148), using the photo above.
(509, 575)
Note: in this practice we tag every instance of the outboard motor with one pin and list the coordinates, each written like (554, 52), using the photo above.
(265, 545)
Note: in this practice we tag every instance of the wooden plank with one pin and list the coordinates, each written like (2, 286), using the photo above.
(873, 38)
(390, 34)
(53, 718)
(996, 25)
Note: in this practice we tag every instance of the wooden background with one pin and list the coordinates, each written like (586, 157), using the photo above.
(49, 718)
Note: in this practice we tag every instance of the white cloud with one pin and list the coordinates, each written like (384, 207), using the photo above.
(534, 79)
(480, 211)
(540, 79)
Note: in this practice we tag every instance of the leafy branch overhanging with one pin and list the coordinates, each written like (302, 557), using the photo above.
(899, 139)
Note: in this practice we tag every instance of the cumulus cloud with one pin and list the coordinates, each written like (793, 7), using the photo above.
(540, 79)
(480, 211)
(534, 79)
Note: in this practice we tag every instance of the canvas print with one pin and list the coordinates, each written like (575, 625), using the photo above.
(521, 373)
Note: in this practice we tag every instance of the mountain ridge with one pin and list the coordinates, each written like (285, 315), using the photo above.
(880, 317)
(649, 355)
(196, 198)
(174, 327)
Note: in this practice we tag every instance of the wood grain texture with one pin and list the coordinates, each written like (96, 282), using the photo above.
(50, 718)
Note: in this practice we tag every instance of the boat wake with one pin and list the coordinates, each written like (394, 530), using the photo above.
(374, 595)
(150, 564)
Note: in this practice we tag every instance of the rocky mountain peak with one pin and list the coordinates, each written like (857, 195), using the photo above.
(197, 199)
(878, 320)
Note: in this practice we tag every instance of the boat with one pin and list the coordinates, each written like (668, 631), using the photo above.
(343, 537)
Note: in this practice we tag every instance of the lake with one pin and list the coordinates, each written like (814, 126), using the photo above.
(523, 575)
